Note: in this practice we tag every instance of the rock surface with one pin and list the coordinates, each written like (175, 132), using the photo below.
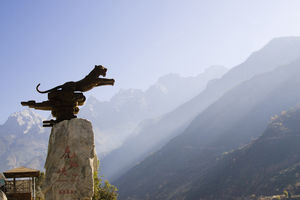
(2, 196)
(71, 161)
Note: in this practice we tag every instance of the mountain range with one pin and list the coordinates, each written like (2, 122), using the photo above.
(213, 136)
(115, 120)
(23, 140)
(267, 166)
(238, 115)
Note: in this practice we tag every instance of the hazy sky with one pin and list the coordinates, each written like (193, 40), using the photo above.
(51, 42)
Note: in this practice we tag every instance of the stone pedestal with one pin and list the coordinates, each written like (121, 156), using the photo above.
(2, 196)
(71, 161)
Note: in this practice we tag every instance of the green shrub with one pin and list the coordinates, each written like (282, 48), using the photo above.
(103, 191)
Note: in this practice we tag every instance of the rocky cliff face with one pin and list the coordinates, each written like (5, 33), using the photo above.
(23, 141)
(267, 166)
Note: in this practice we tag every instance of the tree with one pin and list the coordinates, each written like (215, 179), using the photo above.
(103, 190)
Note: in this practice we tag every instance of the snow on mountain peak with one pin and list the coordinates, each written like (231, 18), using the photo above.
(25, 120)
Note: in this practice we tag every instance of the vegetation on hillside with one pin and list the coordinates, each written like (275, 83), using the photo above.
(103, 190)
(268, 166)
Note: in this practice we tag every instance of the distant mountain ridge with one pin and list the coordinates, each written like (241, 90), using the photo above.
(23, 140)
(232, 119)
(171, 154)
(116, 119)
(156, 133)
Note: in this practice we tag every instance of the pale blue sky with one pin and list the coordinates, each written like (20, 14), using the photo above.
(50, 42)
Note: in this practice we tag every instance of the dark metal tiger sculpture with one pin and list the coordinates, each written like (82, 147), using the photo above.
(63, 100)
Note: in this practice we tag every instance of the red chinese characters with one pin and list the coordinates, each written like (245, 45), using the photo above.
(70, 158)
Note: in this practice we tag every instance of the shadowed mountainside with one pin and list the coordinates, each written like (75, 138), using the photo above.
(152, 134)
(240, 115)
(267, 166)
